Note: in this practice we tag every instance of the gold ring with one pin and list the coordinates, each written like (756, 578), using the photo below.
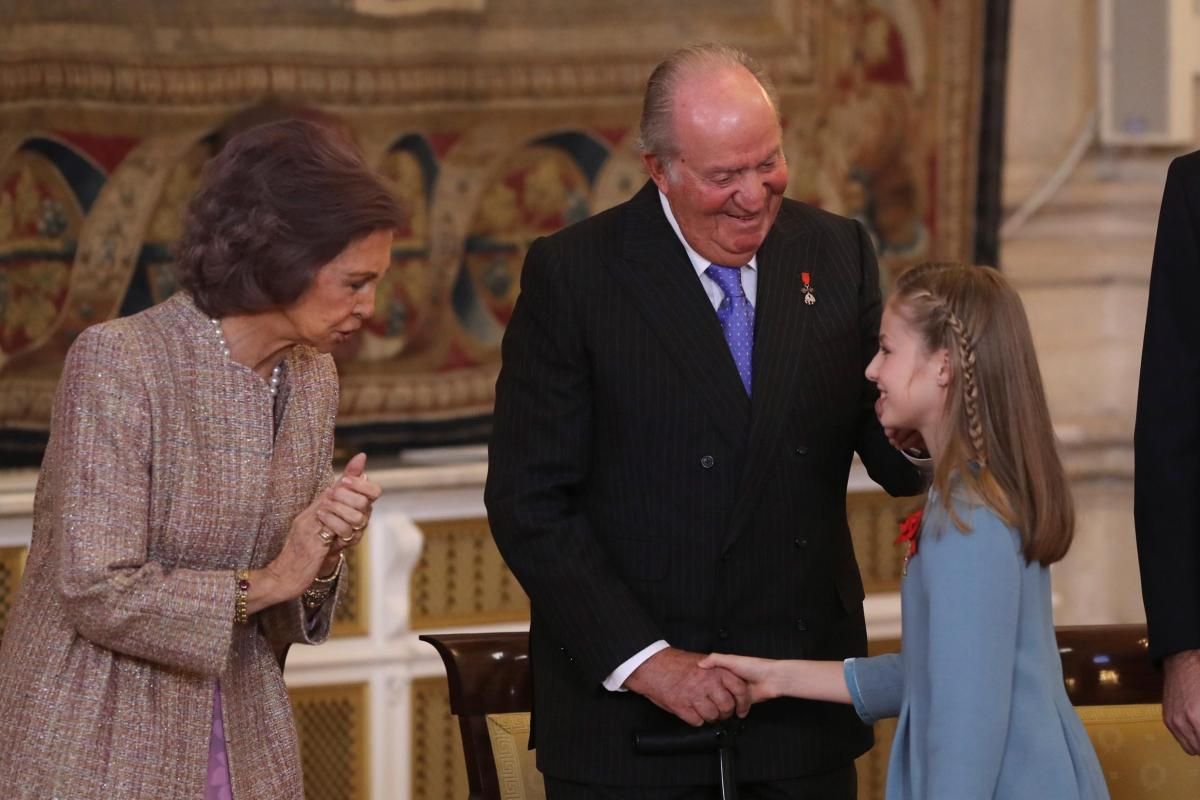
(326, 535)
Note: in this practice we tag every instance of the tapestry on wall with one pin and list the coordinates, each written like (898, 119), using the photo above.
(105, 124)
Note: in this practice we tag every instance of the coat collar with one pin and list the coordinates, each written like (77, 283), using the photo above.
(229, 382)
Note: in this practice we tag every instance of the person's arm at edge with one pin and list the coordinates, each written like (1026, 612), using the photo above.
(1167, 429)
(1167, 454)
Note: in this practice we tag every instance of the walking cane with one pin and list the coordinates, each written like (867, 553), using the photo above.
(721, 738)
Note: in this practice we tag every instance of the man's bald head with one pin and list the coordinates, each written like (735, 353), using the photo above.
(658, 135)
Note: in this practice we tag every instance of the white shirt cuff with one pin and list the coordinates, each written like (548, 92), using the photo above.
(924, 464)
(615, 682)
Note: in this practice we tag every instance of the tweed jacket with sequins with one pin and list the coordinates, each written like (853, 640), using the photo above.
(167, 468)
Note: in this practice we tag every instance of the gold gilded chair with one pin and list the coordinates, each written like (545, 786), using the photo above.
(1118, 694)
(491, 693)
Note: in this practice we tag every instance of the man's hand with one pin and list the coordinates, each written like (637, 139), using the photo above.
(907, 440)
(673, 681)
(1181, 698)
(760, 674)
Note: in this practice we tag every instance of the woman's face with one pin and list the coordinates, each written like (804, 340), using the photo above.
(342, 295)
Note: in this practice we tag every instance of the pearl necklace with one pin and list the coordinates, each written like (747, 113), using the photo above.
(273, 383)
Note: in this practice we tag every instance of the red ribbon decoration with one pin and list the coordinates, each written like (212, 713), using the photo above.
(804, 277)
(910, 530)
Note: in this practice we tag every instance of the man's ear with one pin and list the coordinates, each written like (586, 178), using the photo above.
(658, 168)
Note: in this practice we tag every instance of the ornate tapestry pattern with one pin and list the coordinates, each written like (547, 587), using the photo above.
(487, 142)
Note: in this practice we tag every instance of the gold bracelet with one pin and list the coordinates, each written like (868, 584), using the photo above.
(336, 571)
(239, 604)
(317, 593)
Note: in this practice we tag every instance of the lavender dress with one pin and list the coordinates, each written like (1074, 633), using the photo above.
(219, 786)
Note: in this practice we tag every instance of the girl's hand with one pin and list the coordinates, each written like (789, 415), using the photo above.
(768, 679)
(760, 674)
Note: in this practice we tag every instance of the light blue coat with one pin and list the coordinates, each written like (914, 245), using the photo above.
(978, 686)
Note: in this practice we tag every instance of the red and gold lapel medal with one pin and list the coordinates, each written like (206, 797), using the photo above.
(910, 530)
(809, 297)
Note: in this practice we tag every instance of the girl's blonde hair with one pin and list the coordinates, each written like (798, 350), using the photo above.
(999, 441)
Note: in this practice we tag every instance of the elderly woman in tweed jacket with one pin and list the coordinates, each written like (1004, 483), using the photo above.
(187, 524)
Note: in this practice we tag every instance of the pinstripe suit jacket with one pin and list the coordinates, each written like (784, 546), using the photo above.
(639, 494)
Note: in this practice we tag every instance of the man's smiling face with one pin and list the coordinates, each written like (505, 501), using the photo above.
(726, 181)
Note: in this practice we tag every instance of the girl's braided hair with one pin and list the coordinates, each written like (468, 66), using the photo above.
(1000, 445)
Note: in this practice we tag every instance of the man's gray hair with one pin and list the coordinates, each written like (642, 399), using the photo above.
(657, 128)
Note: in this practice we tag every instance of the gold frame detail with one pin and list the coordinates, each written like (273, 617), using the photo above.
(516, 771)
(1116, 715)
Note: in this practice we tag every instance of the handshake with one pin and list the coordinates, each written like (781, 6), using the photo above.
(699, 688)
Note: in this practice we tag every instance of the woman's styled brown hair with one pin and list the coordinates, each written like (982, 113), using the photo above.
(999, 443)
(278, 202)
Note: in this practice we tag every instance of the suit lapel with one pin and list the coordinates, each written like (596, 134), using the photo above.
(662, 283)
(781, 321)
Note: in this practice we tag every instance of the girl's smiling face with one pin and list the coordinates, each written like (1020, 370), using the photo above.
(912, 381)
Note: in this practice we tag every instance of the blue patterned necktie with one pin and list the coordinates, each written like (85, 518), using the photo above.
(736, 316)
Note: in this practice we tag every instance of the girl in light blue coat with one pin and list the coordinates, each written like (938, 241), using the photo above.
(978, 685)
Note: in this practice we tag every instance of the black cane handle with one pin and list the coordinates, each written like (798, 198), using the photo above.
(707, 739)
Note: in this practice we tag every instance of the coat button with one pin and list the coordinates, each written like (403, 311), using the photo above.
(801, 450)
(723, 634)
(707, 462)
(800, 543)
(800, 626)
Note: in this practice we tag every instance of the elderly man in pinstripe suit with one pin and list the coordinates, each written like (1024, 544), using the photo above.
(681, 397)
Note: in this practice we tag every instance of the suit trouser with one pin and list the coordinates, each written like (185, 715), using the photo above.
(839, 784)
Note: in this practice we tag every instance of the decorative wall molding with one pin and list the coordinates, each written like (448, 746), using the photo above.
(54, 80)
(407, 8)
